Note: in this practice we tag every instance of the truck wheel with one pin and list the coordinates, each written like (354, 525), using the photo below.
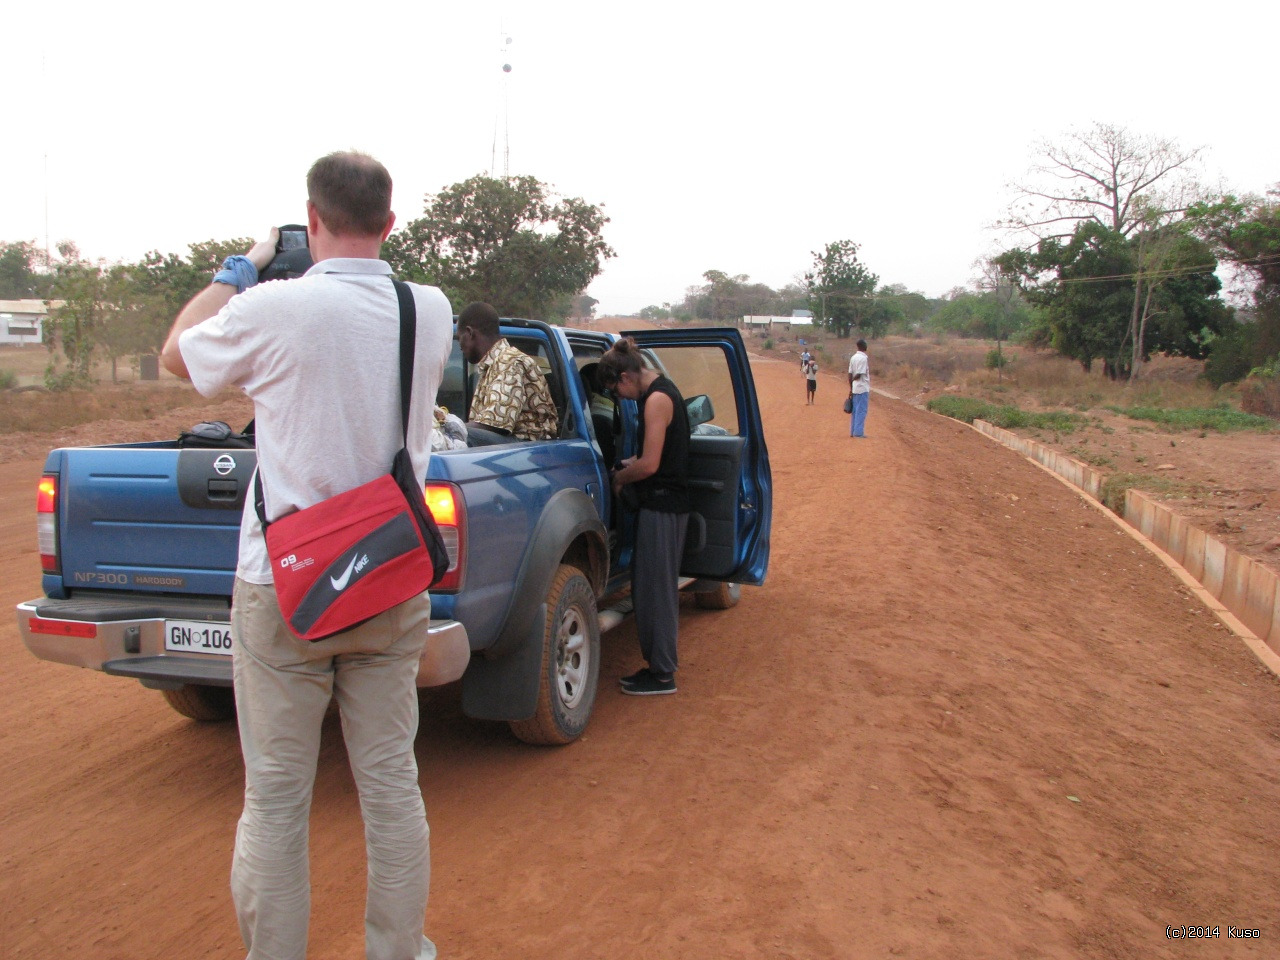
(202, 703)
(724, 596)
(570, 662)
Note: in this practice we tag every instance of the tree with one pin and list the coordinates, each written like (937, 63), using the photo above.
(840, 287)
(655, 312)
(177, 279)
(1087, 289)
(1245, 231)
(71, 325)
(995, 313)
(722, 294)
(914, 307)
(132, 320)
(1163, 249)
(506, 241)
(23, 272)
(884, 311)
(1099, 176)
(584, 306)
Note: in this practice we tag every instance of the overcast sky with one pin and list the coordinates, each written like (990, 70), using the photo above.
(715, 136)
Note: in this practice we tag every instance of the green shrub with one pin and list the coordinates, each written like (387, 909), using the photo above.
(768, 344)
(997, 359)
(1115, 485)
(1008, 417)
(8, 379)
(1222, 419)
(1230, 355)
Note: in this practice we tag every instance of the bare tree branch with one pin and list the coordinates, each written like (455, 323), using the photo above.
(1109, 169)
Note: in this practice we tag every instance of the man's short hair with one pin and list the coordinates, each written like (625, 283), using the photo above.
(351, 192)
(480, 317)
(862, 344)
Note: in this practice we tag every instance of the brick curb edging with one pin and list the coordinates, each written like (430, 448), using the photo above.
(1243, 593)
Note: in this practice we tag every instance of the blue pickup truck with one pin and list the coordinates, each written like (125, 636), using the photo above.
(138, 541)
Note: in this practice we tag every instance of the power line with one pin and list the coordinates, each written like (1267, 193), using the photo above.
(1260, 261)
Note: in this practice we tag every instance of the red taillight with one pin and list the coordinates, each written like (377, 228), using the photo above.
(442, 501)
(46, 522)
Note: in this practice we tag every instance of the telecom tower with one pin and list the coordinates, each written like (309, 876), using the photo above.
(501, 111)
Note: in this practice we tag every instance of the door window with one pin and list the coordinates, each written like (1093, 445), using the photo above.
(701, 372)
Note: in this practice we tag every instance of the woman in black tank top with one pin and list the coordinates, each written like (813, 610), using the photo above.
(660, 473)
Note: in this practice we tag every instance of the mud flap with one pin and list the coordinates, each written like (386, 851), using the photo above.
(506, 688)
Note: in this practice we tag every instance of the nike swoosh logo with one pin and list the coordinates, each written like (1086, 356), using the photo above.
(340, 583)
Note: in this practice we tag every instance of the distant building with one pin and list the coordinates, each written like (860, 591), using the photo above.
(22, 321)
(805, 315)
(766, 323)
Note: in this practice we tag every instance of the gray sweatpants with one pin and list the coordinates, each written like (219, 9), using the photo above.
(655, 590)
(283, 686)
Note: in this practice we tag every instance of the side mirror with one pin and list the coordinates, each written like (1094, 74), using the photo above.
(699, 410)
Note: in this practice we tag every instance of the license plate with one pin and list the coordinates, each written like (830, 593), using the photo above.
(197, 636)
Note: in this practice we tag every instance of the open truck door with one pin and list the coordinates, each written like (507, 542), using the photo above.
(729, 479)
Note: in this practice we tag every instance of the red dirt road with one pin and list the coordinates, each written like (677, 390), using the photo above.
(966, 718)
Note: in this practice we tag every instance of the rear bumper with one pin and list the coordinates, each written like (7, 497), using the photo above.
(125, 638)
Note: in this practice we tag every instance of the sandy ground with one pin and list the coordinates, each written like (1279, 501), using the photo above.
(965, 718)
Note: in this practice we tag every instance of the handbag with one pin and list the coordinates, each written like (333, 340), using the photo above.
(345, 560)
(848, 404)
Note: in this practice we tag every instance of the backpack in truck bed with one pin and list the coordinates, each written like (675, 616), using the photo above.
(216, 434)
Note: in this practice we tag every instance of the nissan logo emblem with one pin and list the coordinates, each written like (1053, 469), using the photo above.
(224, 464)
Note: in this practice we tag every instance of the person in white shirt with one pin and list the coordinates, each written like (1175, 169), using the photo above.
(319, 357)
(859, 390)
(810, 369)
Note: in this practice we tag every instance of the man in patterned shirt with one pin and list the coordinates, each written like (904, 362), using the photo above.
(511, 401)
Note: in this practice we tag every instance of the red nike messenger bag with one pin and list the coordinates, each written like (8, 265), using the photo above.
(351, 557)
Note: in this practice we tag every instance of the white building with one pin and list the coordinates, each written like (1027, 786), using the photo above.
(766, 323)
(21, 321)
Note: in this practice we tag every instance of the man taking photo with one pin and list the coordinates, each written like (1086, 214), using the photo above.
(319, 357)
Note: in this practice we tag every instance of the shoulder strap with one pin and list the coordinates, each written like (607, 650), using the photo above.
(408, 341)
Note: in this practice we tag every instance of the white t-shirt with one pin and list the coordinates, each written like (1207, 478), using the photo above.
(319, 357)
(858, 364)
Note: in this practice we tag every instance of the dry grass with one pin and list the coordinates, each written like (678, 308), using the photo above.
(923, 361)
(32, 409)
(1041, 378)
(27, 364)
(40, 411)
(1261, 396)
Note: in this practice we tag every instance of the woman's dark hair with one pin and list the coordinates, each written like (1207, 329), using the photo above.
(623, 357)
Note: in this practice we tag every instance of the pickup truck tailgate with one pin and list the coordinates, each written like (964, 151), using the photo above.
(150, 518)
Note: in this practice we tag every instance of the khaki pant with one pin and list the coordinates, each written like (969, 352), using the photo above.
(283, 687)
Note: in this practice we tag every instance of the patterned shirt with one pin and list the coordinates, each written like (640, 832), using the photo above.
(512, 395)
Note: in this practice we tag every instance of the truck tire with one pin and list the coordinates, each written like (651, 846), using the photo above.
(570, 668)
(202, 703)
(724, 596)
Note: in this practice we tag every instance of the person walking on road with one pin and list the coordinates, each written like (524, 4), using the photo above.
(810, 368)
(327, 421)
(859, 390)
(660, 473)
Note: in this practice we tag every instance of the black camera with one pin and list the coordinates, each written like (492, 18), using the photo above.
(293, 257)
